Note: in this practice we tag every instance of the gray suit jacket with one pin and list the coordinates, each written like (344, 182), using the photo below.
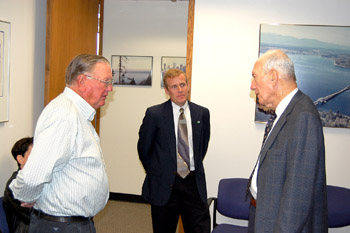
(291, 177)
(157, 150)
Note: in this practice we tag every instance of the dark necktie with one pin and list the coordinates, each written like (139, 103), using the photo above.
(183, 158)
(268, 128)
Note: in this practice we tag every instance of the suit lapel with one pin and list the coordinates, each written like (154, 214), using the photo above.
(196, 127)
(169, 128)
(279, 125)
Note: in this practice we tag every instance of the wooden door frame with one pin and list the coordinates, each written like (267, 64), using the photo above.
(189, 52)
(96, 121)
(59, 51)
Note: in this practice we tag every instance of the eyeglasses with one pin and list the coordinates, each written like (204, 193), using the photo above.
(105, 82)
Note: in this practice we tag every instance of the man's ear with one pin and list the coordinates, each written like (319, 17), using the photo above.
(274, 76)
(81, 82)
(166, 90)
(20, 159)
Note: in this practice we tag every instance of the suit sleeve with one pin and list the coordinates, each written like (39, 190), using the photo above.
(206, 132)
(304, 153)
(146, 137)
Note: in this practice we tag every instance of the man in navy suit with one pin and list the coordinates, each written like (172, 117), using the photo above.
(288, 185)
(170, 193)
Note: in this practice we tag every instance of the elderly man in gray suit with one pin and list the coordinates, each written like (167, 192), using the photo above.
(288, 184)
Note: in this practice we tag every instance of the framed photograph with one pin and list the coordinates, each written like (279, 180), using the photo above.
(132, 70)
(321, 56)
(4, 69)
(172, 63)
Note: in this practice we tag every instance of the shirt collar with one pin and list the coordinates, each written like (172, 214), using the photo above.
(177, 107)
(284, 102)
(84, 107)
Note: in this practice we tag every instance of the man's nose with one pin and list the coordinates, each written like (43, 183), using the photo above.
(110, 87)
(252, 85)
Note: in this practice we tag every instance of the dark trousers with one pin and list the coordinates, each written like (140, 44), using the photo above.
(38, 225)
(251, 223)
(184, 201)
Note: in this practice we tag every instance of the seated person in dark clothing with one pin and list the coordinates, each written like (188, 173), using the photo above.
(18, 217)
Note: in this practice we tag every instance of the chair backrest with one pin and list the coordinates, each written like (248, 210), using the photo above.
(338, 206)
(3, 222)
(231, 199)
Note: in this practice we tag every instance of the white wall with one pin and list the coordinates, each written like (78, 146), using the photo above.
(136, 28)
(27, 76)
(226, 40)
(222, 65)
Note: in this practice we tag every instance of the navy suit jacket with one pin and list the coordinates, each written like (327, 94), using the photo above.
(291, 178)
(157, 150)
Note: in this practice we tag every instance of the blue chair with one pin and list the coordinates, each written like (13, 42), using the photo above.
(3, 222)
(231, 202)
(338, 206)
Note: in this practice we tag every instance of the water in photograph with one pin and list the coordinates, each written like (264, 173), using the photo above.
(133, 78)
(319, 77)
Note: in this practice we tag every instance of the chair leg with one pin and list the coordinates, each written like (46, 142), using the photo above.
(214, 212)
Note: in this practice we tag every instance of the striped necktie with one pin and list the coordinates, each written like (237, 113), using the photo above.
(183, 157)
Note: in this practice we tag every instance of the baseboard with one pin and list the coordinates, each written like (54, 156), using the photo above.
(126, 197)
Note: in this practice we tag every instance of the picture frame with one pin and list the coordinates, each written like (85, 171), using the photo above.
(132, 70)
(4, 69)
(321, 57)
(168, 62)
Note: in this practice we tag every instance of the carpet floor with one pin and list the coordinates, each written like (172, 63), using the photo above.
(124, 217)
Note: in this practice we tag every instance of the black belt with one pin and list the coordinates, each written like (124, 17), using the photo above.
(65, 219)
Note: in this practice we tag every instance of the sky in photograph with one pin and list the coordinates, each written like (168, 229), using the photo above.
(134, 63)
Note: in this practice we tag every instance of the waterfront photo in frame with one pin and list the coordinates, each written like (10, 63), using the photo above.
(4, 70)
(132, 70)
(172, 63)
(321, 56)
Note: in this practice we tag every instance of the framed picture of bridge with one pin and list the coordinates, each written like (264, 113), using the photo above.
(321, 56)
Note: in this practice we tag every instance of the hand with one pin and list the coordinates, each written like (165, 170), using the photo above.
(27, 205)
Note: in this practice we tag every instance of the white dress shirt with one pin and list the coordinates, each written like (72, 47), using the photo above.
(65, 174)
(279, 110)
(176, 113)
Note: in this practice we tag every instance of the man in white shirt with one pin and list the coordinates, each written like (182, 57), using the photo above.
(288, 186)
(65, 178)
